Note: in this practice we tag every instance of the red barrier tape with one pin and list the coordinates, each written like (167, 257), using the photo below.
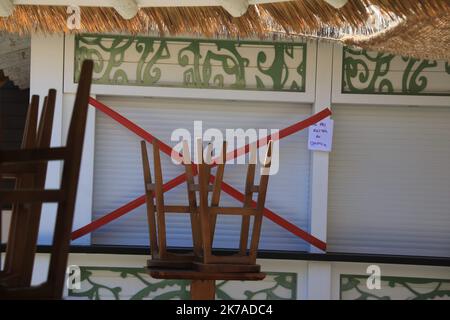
(180, 179)
(136, 203)
(277, 219)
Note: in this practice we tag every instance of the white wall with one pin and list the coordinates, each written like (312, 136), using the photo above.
(47, 65)
(47, 71)
(52, 67)
(327, 288)
(389, 270)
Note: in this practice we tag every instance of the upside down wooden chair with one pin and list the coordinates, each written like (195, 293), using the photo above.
(204, 213)
(29, 195)
(209, 208)
(203, 267)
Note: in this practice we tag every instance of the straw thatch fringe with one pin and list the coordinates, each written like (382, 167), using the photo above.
(417, 28)
(422, 38)
(300, 16)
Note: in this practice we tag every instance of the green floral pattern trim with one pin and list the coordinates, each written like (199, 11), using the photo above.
(382, 73)
(135, 284)
(354, 287)
(193, 63)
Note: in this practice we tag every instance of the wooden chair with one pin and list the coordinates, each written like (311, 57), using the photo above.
(24, 161)
(245, 259)
(206, 267)
(19, 260)
(204, 214)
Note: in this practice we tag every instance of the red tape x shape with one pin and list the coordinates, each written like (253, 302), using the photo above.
(182, 178)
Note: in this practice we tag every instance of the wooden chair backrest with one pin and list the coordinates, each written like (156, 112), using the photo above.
(65, 197)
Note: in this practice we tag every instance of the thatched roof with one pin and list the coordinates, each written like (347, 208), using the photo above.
(417, 28)
(297, 16)
(419, 37)
(15, 59)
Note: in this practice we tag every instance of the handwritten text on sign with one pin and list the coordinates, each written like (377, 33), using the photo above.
(320, 135)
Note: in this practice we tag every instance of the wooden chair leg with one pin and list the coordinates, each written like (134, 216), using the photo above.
(262, 191)
(1, 238)
(203, 289)
(69, 182)
(194, 215)
(159, 195)
(149, 198)
(203, 178)
(249, 184)
(17, 244)
(44, 135)
(215, 198)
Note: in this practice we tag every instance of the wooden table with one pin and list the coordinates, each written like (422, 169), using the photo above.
(203, 285)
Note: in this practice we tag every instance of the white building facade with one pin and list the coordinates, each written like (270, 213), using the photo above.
(380, 197)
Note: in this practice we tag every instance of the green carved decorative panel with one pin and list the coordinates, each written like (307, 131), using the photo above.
(354, 287)
(383, 73)
(133, 283)
(193, 63)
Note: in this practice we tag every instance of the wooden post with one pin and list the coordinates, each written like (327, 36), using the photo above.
(320, 160)
(203, 289)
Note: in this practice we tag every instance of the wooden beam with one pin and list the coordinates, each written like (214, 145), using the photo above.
(126, 8)
(141, 3)
(337, 3)
(6, 8)
(129, 8)
(236, 8)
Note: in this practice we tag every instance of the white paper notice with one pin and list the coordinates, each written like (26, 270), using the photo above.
(320, 135)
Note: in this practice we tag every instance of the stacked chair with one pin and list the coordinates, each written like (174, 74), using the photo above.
(203, 208)
(28, 166)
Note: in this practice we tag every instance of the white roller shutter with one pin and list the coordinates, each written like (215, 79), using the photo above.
(118, 169)
(389, 189)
